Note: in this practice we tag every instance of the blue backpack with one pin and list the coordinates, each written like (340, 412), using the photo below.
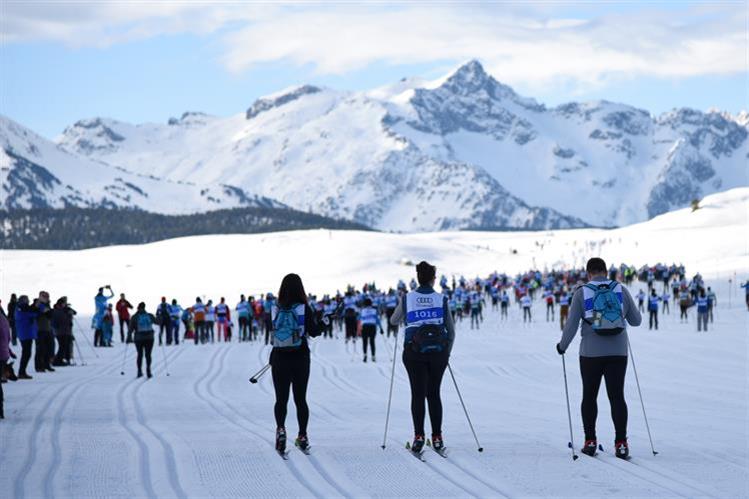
(145, 325)
(607, 309)
(287, 333)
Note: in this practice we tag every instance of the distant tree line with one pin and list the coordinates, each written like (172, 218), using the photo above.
(80, 228)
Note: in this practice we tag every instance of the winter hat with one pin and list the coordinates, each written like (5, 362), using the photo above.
(141, 306)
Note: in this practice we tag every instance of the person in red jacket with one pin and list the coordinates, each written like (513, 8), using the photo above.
(123, 313)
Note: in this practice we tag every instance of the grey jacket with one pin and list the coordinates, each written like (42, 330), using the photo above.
(592, 344)
(399, 315)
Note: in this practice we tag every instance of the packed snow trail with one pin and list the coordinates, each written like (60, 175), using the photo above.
(205, 431)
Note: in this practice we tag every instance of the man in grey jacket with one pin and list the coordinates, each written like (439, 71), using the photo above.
(601, 356)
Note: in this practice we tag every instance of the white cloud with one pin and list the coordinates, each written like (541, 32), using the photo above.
(529, 45)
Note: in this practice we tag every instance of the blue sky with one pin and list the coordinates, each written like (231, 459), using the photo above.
(139, 62)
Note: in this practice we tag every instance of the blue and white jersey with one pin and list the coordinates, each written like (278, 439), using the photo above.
(653, 303)
(175, 311)
(349, 302)
(210, 313)
(330, 308)
(221, 309)
(505, 297)
(525, 301)
(702, 303)
(391, 301)
(422, 309)
(564, 300)
(243, 309)
(368, 316)
(589, 294)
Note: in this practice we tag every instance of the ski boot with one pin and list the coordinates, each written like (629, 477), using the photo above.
(418, 444)
(365, 359)
(622, 449)
(281, 440)
(140, 373)
(438, 444)
(373, 359)
(302, 443)
(590, 448)
(148, 373)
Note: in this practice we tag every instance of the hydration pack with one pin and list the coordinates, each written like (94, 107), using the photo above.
(603, 308)
(287, 332)
(145, 324)
(429, 338)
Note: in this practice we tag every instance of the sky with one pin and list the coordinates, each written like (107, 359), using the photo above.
(139, 61)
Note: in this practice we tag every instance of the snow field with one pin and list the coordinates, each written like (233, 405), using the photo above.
(204, 431)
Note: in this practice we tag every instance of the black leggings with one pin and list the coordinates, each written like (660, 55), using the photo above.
(425, 373)
(368, 333)
(351, 324)
(144, 346)
(290, 371)
(25, 355)
(613, 368)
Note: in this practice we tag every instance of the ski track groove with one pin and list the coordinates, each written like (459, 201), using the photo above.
(620, 466)
(315, 464)
(475, 477)
(145, 459)
(19, 487)
(295, 471)
(676, 480)
(447, 478)
(170, 461)
(51, 473)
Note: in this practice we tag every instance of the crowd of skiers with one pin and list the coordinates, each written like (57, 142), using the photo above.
(428, 316)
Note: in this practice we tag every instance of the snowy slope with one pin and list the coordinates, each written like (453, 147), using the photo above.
(462, 151)
(712, 240)
(36, 173)
(204, 431)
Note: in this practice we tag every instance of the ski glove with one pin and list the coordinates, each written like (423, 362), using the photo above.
(559, 349)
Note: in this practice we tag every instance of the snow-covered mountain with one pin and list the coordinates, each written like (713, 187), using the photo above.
(465, 151)
(37, 173)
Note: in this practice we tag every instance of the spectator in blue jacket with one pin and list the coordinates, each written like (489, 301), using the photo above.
(25, 317)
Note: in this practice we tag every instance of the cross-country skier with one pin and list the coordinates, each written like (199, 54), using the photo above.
(142, 324)
(294, 321)
(175, 314)
(163, 319)
(198, 314)
(243, 313)
(653, 309)
(703, 310)
(370, 321)
(428, 340)
(525, 302)
(602, 306)
(222, 320)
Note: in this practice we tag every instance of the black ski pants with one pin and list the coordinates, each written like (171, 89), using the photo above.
(613, 368)
(653, 319)
(368, 334)
(25, 355)
(425, 373)
(290, 372)
(144, 347)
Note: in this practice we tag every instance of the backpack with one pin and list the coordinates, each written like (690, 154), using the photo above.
(607, 319)
(145, 324)
(429, 338)
(286, 329)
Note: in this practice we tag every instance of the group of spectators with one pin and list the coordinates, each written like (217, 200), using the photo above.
(34, 323)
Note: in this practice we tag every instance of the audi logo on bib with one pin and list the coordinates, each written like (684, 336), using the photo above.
(425, 300)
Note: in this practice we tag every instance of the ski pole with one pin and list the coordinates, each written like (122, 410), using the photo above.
(390, 395)
(86, 338)
(480, 449)
(254, 379)
(642, 404)
(124, 354)
(166, 363)
(569, 414)
(78, 349)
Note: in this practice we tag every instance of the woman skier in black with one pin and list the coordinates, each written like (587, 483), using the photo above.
(293, 322)
(429, 338)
